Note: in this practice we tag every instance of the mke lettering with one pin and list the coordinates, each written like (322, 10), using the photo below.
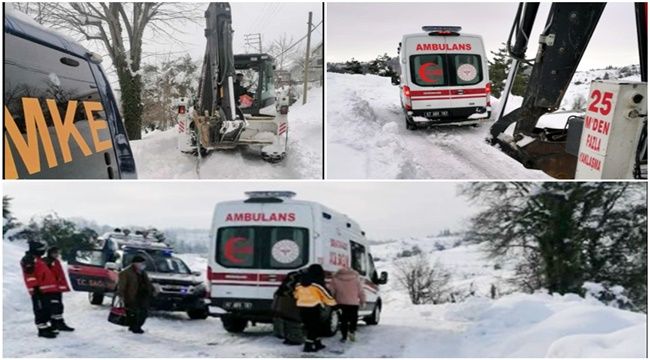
(261, 217)
(443, 47)
(597, 125)
(37, 132)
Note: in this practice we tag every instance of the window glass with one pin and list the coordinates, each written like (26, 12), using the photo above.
(268, 90)
(428, 70)
(372, 270)
(90, 257)
(358, 253)
(467, 68)
(262, 247)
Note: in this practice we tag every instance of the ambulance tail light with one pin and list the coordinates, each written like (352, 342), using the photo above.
(181, 109)
(209, 273)
(488, 90)
(407, 97)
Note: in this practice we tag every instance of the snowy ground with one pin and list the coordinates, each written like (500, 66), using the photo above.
(516, 325)
(367, 138)
(156, 155)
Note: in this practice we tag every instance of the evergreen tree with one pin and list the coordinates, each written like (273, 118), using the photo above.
(498, 69)
(9, 221)
(55, 231)
(381, 66)
(353, 66)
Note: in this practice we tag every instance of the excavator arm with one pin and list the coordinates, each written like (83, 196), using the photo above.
(562, 43)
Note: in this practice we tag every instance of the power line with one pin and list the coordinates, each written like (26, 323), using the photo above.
(300, 40)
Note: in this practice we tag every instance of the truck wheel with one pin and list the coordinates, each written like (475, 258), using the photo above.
(198, 314)
(374, 318)
(233, 324)
(96, 298)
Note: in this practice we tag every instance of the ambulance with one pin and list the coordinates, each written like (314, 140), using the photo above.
(444, 78)
(255, 242)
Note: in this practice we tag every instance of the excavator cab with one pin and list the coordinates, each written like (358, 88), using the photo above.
(258, 81)
(619, 153)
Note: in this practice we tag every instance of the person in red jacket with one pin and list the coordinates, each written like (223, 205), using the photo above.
(53, 262)
(41, 285)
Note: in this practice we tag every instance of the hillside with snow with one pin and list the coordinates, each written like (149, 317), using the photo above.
(367, 136)
(515, 325)
(157, 156)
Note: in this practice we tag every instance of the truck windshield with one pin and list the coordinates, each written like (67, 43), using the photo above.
(159, 261)
(262, 247)
(429, 70)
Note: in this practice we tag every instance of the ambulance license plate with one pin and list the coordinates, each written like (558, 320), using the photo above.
(434, 114)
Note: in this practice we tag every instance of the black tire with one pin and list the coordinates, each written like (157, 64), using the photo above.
(96, 298)
(234, 324)
(198, 314)
(374, 318)
(409, 124)
(332, 323)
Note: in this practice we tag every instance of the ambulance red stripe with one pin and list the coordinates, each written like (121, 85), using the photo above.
(451, 97)
(416, 93)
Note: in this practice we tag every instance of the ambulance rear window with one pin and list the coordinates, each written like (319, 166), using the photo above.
(262, 247)
(428, 70)
(467, 69)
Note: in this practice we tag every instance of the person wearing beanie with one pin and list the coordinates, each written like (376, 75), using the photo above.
(135, 290)
(311, 295)
(54, 264)
(41, 285)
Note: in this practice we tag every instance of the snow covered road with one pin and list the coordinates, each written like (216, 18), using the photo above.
(367, 138)
(157, 157)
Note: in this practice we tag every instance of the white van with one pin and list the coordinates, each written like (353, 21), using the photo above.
(255, 242)
(444, 78)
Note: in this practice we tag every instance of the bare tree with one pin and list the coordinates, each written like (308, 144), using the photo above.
(120, 28)
(281, 49)
(426, 282)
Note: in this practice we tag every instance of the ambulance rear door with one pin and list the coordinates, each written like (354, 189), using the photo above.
(467, 76)
(427, 75)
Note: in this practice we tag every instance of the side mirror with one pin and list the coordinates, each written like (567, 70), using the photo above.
(196, 273)
(383, 278)
(112, 266)
(395, 80)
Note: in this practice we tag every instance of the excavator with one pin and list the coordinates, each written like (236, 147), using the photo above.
(226, 113)
(610, 140)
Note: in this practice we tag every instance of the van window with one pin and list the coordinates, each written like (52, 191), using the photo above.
(262, 247)
(431, 70)
(467, 68)
(90, 258)
(358, 255)
(428, 70)
(38, 79)
(372, 270)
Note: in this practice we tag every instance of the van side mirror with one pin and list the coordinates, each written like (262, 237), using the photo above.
(112, 266)
(395, 80)
(383, 278)
(196, 273)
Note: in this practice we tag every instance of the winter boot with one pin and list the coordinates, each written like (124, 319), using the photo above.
(318, 345)
(290, 342)
(62, 326)
(46, 333)
(352, 337)
(344, 338)
(53, 329)
(309, 347)
(137, 331)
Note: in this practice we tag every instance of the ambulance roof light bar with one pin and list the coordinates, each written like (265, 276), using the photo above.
(270, 194)
(442, 30)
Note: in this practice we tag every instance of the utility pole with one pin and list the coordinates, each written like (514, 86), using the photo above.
(254, 41)
(304, 92)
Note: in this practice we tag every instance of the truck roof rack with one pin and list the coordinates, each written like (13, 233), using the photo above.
(268, 196)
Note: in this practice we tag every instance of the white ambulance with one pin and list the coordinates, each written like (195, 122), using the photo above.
(255, 242)
(444, 78)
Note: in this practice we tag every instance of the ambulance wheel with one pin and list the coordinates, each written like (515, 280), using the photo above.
(332, 323)
(198, 314)
(374, 318)
(96, 298)
(234, 324)
(409, 124)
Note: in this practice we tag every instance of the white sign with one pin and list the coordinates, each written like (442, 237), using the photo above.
(466, 72)
(285, 251)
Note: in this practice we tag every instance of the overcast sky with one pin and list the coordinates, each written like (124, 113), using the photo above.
(383, 209)
(365, 30)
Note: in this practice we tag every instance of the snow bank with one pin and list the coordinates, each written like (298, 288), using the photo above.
(157, 157)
